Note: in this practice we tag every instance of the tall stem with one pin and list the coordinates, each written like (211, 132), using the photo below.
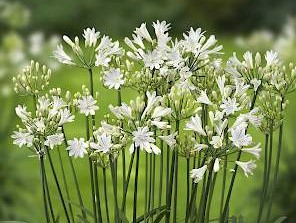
(208, 210)
(105, 195)
(42, 179)
(113, 174)
(160, 174)
(58, 187)
(48, 197)
(136, 185)
(97, 191)
(176, 178)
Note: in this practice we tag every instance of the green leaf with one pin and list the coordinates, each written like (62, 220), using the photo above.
(281, 219)
(150, 213)
(160, 216)
(82, 220)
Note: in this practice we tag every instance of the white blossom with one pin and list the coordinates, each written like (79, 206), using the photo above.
(198, 174)
(247, 167)
(195, 124)
(54, 140)
(87, 105)
(91, 37)
(203, 98)
(216, 167)
(239, 136)
(65, 116)
(254, 150)
(61, 56)
(142, 139)
(160, 111)
(229, 106)
(77, 147)
(22, 138)
(113, 78)
(170, 139)
(103, 144)
(217, 141)
(22, 113)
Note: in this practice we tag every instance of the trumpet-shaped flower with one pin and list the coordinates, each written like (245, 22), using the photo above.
(195, 124)
(203, 98)
(229, 106)
(198, 174)
(142, 139)
(22, 138)
(254, 150)
(113, 78)
(247, 167)
(91, 37)
(103, 143)
(61, 56)
(170, 139)
(239, 136)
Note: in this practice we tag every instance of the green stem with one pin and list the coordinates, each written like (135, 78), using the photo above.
(213, 183)
(223, 185)
(187, 183)
(48, 197)
(66, 185)
(113, 174)
(146, 188)
(91, 173)
(153, 184)
(58, 186)
(105, 195)
(75, 180)
(262, 197)
(136, 185)
(42, 179)
(97, 191)
(160, 174)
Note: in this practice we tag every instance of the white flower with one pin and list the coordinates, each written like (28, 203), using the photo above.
(271, 58)
(199, 147)
(61, 56)
(203, 98)
(152, 100)
(153, 60)
(239, 136)
(160, 112)
(43, 103)
(256, 83)
(229, 106)
(217, 141)
(160, 28)
(142, 139)
(65, 116)
(195, 124)
(143, 32)
(113, 78)
(160, 124)
(254, 118)
(121, 111)
(87, 105)
(198, 174)
(254, 150)
(216, 167)
(91, 37)
(22, 113)
(77, 148)
(104, 143)
(248, 57)
(22, 138)
(170, 139)
(54, 140)
(247, 167)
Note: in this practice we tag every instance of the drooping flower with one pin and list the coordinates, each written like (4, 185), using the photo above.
(77, 147)
(247, 167)
(22, 138)
(22, 113)
(54, 140)
(61, 56)
(113, 78)
(254, 150)
(65, 116)
(239, 136)
(195, 124)
(170, 139)
(198, 174)
(87, 105)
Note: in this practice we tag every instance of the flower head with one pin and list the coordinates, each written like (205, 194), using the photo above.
(197, 174)
(247, 167)
(142, 139)
(54, 140)
(113, 78)
(77, 147)
(87, 105)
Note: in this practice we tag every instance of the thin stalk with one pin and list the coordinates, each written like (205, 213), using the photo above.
(75, 180)
(42, 179)
(153, 184)
(48, 197)
(150, 183)
(160, 174)
(176, 177)
(58, 187)
(127, 182)
(113, 174)
(201, 202)
(146, 188)
(277, 164)
(223, 185)
(105, 195)
(212, 188)
(136, 185)
(262, 197)
(65, 185)
(97, 191)
(225, 209)
(187, 183)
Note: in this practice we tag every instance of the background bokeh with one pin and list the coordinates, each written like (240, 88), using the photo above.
(30, 29)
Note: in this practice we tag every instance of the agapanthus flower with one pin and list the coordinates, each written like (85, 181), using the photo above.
(247, 167)
(239, 136)
(170, 139)
(61, 56)
(142, 139)
(254, 150)
(77, 147)
(198, 174)
(103, 144)
(54, 140)
(203, 98)
(113, 78)
(22, 113)
(22, 138)
(91, 37)
(216, 166)
(87, 105)
(195, 124)
(230, 106)
(65, 116)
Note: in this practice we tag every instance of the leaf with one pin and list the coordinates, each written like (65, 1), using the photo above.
(160, 216)
(150, 213)
(281, 219)
(122, 217)
(82, 220)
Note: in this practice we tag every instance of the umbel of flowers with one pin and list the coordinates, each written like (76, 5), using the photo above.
(190, 106)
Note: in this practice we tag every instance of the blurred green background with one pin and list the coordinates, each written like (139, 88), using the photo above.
(30, 29)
